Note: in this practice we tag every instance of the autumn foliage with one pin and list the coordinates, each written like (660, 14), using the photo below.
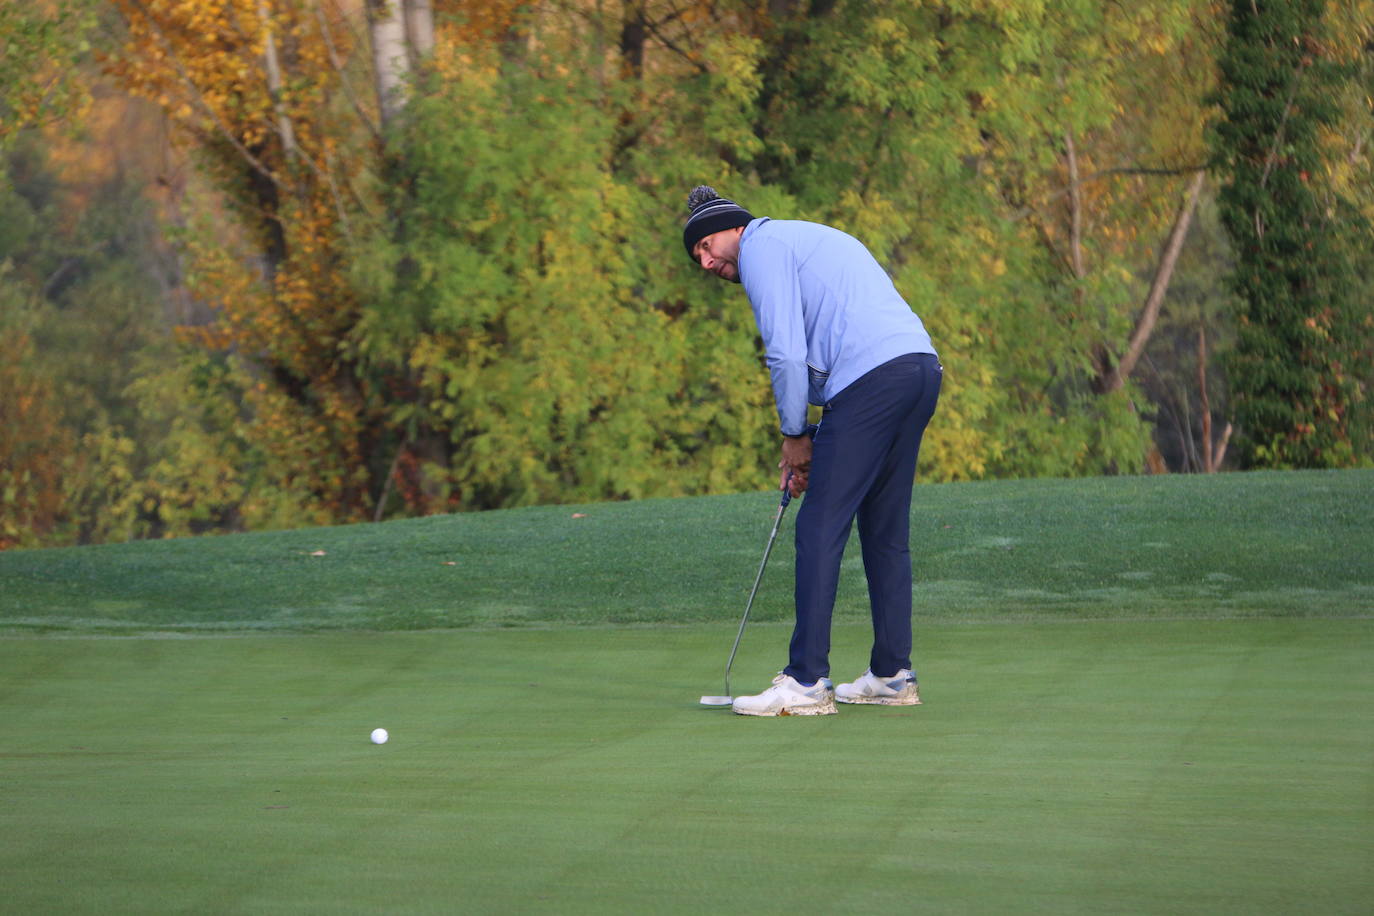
(250, 84)
(432, 248)
(33, 447)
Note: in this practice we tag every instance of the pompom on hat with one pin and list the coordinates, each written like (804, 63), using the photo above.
(710, 213)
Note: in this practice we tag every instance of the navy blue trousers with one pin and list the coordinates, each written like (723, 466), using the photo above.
(863, 464)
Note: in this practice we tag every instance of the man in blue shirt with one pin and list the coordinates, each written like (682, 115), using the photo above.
(837, 334)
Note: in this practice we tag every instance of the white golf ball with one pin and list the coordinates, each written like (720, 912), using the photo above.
(379, 736)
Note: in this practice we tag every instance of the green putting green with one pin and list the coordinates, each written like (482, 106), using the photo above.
(1146, 766)
(1143, 695)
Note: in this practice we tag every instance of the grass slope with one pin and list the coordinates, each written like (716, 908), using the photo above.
(1289, 544)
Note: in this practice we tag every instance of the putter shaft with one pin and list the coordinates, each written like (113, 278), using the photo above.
(749, 605)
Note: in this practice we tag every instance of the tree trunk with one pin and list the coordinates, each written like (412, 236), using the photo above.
(1103, 359)
(1212, 454)
(1116, 376)
(1207, 462)
(402, 34)
(391, 61)
(274, 82)
(419, 15)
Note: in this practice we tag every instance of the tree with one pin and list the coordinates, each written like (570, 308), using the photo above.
(36, 443)
(1020, 171)
(533, 316)
(262, 89)
(452, 278)
(1180, 373)
(402, 33)
(40, 73)
(1302, 339)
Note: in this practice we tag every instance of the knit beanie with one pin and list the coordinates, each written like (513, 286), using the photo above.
(710, 213)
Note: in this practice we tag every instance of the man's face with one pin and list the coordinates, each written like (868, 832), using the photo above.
(719, 253)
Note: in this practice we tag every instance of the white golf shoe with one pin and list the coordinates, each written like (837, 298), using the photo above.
(788, 698)
(898, 690)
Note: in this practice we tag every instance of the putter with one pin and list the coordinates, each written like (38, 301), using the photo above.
(729, 698)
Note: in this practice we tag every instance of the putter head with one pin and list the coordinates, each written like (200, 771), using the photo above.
(717, 701)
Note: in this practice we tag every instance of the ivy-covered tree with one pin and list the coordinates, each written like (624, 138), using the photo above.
(1296, 371)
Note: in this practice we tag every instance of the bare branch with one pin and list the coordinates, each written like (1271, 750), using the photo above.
(324, 175)
(1358, 148)
(338, 66)
(1213, 453)
(1145, 324)
(1075, 208)
(1220, 455)
(662, 39)
(1105, 173)
(274, 83)
(338, 202)
(1208, 460)
(390, 479)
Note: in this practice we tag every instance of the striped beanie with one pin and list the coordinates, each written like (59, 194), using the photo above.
(710, 213)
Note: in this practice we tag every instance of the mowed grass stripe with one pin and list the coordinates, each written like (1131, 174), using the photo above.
(1271, 544)
(1099, 766)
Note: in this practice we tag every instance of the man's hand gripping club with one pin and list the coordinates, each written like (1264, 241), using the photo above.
(795, 465)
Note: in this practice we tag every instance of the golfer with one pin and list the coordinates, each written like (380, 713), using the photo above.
(836, 334)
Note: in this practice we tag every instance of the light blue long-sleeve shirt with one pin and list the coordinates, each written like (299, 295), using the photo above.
(827, 311)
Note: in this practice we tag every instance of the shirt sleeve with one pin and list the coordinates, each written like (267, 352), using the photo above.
(768, 271)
